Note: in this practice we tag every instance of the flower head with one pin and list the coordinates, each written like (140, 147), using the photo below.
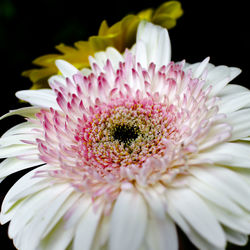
(121, 35)
(128, 149)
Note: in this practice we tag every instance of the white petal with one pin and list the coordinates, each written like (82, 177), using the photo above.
(194, 67)
(30, 207)
(176, 216)
(231, 89)
(229, 154)
(76, 212)
(16, 139)
(218, 133)
(155, 200)
(66, 205)
(142, 247)
(141, 54)
(114, 56)
(201, 67)
(29, 112)
(192, 234)
(163, 48)
(102, 234)
(235, 222)
(57, 78)
(67, 69)
(32, 188)
(22, 128)
(58, 239)
(27, 181)
(225, 181)
(156, 42)
(128, 223)
(213, 195)
(45, 98)
(235, 237)
(234, 72)
(12, 165)
(34, 230)
(6, 217)
(240, 122)
(161, 234)
(86, 229)
(26, 210)
(86, 71)
(244, 173)
(101, 58)
(245, 139)
(232, 98)
(219, 77)
(200, 243)
(198, 215)
(18, 150)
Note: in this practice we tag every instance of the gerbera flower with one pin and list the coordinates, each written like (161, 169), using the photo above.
(120, 35)
(127, 150)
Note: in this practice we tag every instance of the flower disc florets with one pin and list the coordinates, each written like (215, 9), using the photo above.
(126, 132)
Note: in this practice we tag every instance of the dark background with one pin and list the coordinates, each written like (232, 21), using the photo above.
(28, 29)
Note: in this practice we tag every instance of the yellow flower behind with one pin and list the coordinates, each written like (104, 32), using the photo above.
(121, 35)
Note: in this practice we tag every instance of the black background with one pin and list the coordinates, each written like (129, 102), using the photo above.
(28, 29)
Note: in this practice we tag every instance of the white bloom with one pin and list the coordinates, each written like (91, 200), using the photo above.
(128, 150)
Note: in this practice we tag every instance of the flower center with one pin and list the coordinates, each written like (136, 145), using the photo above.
(125, 133)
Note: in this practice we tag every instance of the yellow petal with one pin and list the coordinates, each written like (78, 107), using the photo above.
(99, 43)
(47, 60)
(129, 28)
(172, 8)
(83, 46)
(65, 49)
(37, 75)
(103, 30)
(146, 14)
(165, 20)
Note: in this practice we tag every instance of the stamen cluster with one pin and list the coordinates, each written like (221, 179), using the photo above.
(126, 132)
